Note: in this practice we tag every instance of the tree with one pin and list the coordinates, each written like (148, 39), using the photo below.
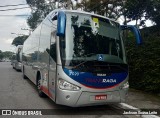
(40, 9)
(34, 20)
(153, 11)
(135, 9)
(108, 8)
(144, 60)
(7, 54)
(1, 55)
(138, 9)
(19, 40)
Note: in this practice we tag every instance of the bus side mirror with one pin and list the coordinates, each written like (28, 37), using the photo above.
(135, 30)
(61, 23)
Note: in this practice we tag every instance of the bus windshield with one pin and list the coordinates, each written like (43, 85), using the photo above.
(88, 36)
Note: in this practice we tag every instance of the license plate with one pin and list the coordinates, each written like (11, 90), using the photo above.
(100, 97)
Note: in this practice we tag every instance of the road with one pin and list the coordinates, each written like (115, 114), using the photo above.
(18, 93)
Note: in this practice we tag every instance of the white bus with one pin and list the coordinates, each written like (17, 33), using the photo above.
(78, 59)
(17, 58)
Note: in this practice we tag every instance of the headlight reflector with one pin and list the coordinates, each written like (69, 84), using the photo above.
(64, 85)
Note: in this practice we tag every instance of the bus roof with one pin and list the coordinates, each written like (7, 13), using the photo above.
(83, 12)
(20, 46)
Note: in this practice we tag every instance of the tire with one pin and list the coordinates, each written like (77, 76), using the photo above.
(24, 76)
(40, 92)
(13, 66)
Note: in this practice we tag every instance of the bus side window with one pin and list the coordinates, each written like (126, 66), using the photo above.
(53, 38)
(53, 46)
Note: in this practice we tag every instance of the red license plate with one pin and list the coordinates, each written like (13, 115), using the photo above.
(100, 97)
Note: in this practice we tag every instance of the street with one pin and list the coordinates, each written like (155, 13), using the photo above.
(18, 93)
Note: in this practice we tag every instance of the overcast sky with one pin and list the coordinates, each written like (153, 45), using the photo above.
(12, 24)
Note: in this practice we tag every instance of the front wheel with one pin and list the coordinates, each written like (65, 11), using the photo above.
(40, 92)
(24, 76)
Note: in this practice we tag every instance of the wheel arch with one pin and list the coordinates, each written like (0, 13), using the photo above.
(37, 76)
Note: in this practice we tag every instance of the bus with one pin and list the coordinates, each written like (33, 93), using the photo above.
(78, 58)
(17, 58)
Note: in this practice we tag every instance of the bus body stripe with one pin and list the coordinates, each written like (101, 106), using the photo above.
(98, 82)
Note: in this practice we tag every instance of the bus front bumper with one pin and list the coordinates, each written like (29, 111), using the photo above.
(78, 98)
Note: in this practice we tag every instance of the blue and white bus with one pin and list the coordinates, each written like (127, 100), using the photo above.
(78, 59)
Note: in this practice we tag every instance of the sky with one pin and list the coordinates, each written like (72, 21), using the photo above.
(12, 23)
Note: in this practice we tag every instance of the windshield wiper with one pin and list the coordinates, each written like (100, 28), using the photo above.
(117, 65)
(83, 63)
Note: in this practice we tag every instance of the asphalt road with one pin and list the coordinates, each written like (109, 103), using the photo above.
(17, 93)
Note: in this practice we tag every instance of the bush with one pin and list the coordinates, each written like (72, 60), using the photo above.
(144, 61)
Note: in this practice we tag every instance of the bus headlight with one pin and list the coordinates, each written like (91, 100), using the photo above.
(64, 85)
(125, 85)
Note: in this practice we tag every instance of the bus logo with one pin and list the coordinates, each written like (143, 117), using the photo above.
(90, 80)
(6, 112)
(100, 57)
(109, 81)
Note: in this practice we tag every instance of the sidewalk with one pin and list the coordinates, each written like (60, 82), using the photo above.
(143, 100)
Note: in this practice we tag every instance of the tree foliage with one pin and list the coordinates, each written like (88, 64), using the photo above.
(147, 9)
(40, 9)
(19, 40)
(153, 11)
(6, 54)
(108, 8)
(135, 9)
(34, 20)
(144, 61)
(130, 9)
(1, 55)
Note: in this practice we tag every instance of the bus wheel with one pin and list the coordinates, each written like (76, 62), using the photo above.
(24, 76)
(13, 66)
(40, 92)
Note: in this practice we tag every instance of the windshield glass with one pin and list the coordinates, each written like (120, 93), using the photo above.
(87, 37)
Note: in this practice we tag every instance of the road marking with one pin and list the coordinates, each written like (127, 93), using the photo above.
(149, 116)
(128, 106)
(143, 116)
